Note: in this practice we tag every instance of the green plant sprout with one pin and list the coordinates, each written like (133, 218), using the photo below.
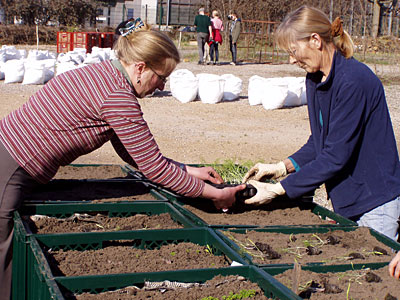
(244, 247)
(209, 250)
(304, 287)
(243, 294)
(173, 253)
(232, 172)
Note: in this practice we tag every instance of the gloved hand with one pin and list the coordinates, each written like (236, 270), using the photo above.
(259, 170)
(266, 192)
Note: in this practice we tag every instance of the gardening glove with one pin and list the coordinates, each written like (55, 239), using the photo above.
(266, 192)
(259, 171)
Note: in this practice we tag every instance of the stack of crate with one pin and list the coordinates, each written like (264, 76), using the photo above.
(33, 277)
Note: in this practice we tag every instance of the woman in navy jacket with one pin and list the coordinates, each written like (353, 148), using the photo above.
(352, 148)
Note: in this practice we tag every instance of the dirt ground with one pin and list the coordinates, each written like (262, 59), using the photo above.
(209, 133)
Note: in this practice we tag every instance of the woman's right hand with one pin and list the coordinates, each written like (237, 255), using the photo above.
(222, 198)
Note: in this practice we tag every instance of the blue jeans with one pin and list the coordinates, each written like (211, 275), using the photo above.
(383, 218)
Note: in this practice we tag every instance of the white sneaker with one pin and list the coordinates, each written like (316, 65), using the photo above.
(232, 63)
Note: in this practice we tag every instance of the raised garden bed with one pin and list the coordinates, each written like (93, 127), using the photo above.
(67, 190)
(82, 171)
(277, 213)
(60, 288)
(100, 217)
(220, 287)
(310, 245)
(325, 283)
(146, 251)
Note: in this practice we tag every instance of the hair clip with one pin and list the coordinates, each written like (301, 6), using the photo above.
(131, 26)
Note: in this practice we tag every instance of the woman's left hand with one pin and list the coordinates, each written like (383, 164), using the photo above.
(205, 173)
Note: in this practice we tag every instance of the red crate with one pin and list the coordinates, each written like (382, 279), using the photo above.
(68, 41)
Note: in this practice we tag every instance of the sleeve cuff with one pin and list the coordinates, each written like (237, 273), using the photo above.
(295, 164)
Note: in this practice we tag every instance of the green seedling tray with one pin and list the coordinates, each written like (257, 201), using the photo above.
(304, 203)
(63, 210)
(61, 190)
(325, 269)
(324, 213)
(39, 274)
(272, 288)
(296, 230)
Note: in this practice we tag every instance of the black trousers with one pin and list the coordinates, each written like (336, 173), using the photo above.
(15, 182)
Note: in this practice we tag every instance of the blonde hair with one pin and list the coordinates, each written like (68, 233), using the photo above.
(147, 45)
(304, 21)
(215, 13)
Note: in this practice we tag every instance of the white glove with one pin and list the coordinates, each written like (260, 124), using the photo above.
(259, 170)
(266, 192)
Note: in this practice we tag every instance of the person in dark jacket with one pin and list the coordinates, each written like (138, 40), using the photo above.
(234, 32)
(204, 31)
(352, 147)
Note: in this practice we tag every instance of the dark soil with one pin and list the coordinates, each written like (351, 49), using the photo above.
(121, 257)
(90, 172)
(362, 284)
(95, 191)
(217, 287)
(280, 212)
(357, 246)
(103, 183)
(100, 223)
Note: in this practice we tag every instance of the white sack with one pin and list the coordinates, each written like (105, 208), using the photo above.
(256, 90)
(49, 68)
(34, 72)
(39, 54)
(296, 85)
(211, 88)
(184, 85)
(92, 58)
(2, 70)
(14, 71)
(64, 67)
(232, 87)
(275, 95)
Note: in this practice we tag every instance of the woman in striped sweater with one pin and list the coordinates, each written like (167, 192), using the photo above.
(80, 110)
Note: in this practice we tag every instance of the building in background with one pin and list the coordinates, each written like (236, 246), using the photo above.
(155, 12)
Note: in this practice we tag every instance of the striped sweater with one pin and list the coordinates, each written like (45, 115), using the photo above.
(77, 112)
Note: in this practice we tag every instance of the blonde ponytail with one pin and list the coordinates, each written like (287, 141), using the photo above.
(304, 21)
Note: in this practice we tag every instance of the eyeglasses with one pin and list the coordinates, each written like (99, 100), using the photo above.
(160, 77)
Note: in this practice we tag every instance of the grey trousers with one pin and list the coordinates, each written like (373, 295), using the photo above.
(202, 39)
(15, 182)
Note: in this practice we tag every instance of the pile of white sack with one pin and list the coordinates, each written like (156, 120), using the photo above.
(277, 92)
(39, 66)
(272, 93)
(209, 88)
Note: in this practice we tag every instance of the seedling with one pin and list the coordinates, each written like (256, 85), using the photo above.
(243, 294)
(173, 253)
(209, 250)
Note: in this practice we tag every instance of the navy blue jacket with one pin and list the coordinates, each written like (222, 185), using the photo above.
(352, 148)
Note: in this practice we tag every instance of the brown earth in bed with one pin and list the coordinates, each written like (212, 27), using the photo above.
(101, 223)
(89, 183)
(90, 172)
(357, 246)
(217, 287)
(121, 257)
(353, 284)
(78, 190)
(278, 212)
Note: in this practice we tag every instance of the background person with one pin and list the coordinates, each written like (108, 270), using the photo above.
(216, 38)
(234, 32)
(352, 147)
(77, 112)
(204, 31)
